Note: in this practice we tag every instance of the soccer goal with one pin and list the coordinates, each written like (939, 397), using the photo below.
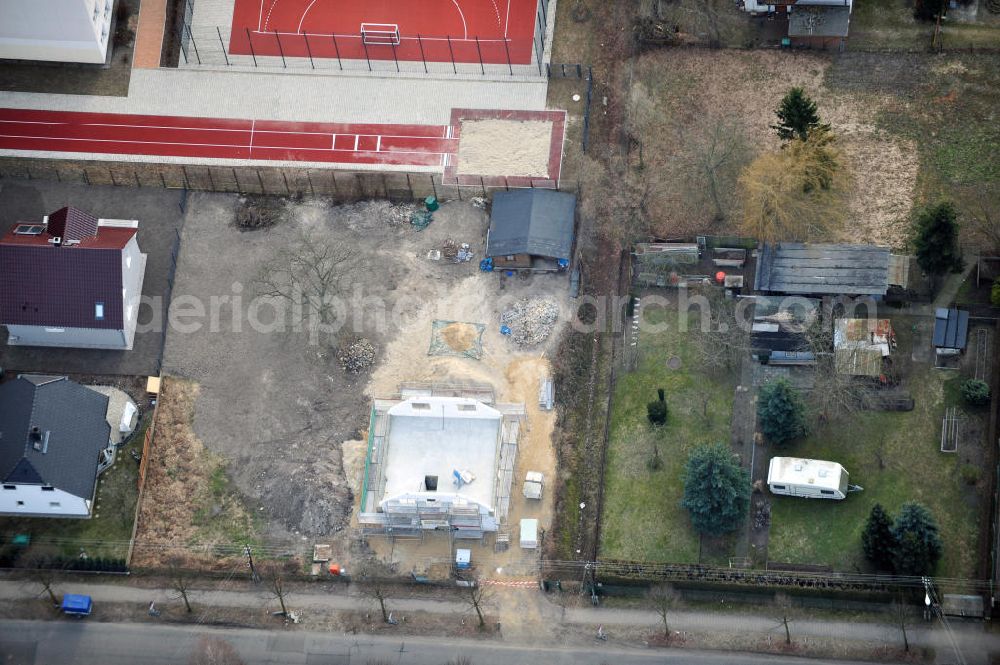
(385, 34)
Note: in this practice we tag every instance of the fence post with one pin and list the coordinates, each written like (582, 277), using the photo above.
(538, 54)
(482, 183)
(506, 47)
(280, 50)
(285, 178)
(222, 44)
(136, 174)
(187, 181)
(336, 49)
(365, 47)
(250, 44)
(163, 181)
(86, 176)
(433, 186)
(193, 42)
(211, 180)
(409, 185)
(112, 174)
(395, 59)
(305, 36)
(261, 181)
(480, 52)
(423, 59)
(452, 52)
(586, 110)
(237, 180)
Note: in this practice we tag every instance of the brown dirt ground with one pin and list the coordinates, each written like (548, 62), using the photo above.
(459, 336)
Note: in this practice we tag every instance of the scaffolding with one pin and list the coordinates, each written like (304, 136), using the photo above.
(413, 517)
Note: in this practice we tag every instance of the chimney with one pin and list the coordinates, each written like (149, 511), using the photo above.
(35, 436)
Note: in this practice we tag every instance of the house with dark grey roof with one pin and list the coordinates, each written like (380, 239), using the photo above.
(822, 269)
(72, 280)
(54, 441)
(531, 229)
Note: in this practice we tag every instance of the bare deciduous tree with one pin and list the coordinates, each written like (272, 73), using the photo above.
(310, 273)
(214, 651)
(45, 578)
(722, 332)
(180, 582)
(477, 597)
(719, 152)
(373, 585)
(784, 605)
(901, 613)
(277, 574)
(664, 599)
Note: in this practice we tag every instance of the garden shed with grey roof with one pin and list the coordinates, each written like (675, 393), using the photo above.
(822, 269)
(531, 229)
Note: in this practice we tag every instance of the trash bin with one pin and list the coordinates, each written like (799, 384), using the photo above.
(431, 203)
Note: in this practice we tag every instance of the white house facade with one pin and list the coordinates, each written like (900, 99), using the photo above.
(56, 30)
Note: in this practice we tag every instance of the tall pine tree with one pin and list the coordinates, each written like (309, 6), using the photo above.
(936, 240)
(797, 116)
(877, 539)
(918, 544)
(781, 412)
(716, 490)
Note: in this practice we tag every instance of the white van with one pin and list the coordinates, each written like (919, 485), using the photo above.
(809, 478)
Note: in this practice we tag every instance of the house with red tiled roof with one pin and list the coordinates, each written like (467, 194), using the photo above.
(72, 280)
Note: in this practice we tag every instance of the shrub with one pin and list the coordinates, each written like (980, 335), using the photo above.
(656, 411)
(976, 392)
(970, 474)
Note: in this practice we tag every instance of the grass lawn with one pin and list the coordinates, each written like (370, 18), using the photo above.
(643, 519)
(896, 458)
(106, 534)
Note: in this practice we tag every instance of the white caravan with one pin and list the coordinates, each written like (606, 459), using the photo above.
(809, 478)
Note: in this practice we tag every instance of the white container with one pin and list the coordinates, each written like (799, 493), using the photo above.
(529, 534)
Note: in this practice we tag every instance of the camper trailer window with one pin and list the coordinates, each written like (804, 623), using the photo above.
(830, 492)
(779, 487)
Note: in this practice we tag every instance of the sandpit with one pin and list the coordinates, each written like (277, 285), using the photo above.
(493, 147)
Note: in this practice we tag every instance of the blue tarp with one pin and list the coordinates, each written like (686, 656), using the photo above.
(74, 603)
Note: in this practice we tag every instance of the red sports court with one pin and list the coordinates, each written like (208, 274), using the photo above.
(488, 31)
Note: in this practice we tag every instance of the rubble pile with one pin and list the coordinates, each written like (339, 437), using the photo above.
(530, 320)
(357, 355)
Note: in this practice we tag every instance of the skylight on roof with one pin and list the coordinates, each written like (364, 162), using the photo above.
(28, 230)
(99, 311)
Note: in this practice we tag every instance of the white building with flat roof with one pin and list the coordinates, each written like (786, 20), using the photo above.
(440, 462)
(56, 30)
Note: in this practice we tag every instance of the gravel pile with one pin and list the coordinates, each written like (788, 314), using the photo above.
(356, 356)
(530, 320)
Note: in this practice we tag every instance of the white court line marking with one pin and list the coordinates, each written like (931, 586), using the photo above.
(252, 123)
(333, 141)
(203, 129)
(506, 21)
(345, 35)
(462, 14)
(200, 145)
(356, 137)
(496, 10)
(302, 20)
(268, 19)
(378, 143)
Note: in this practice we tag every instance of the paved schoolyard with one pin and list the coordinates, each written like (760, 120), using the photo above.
(159, 215)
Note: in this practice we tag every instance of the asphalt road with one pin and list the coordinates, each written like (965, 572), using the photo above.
(83, 642)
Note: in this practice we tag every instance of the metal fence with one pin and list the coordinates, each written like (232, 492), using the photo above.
(217, 46)
(276, 181)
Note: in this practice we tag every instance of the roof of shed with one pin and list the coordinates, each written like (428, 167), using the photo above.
(823, 269)
(819, 21)
(74, 419)
(951, 328)
(532, 221)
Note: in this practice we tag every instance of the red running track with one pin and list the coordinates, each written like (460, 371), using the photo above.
(448, 29)
(267, 140)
